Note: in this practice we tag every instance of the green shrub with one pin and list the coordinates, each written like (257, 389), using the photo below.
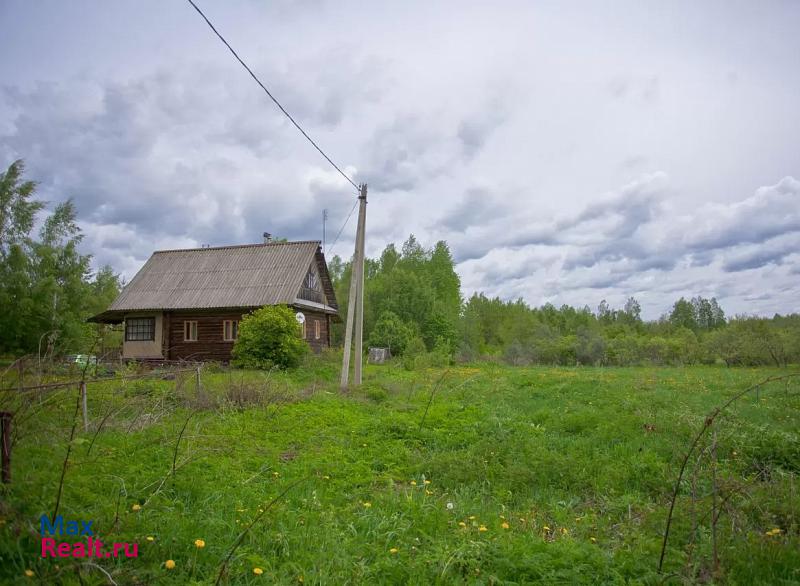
(390, 332)
(269, 337)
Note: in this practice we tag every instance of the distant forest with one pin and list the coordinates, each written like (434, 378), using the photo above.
(412, 305)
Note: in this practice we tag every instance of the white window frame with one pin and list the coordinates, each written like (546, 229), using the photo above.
(189, 329)
(233, 325)
(316, 329)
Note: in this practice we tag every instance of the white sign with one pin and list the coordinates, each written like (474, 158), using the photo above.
(301, 319)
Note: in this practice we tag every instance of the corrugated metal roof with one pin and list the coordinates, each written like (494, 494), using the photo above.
(250, 275)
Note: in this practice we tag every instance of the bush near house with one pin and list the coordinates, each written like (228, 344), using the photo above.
(269, 337)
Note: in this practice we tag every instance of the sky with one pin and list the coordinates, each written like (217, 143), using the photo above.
(568, 152)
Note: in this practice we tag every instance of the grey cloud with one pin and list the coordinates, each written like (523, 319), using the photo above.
(772, 211)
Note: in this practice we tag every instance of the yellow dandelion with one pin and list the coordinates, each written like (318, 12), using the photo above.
(428, 492)
(482, 528)
(136, 507)
(367, 505)
(199, 543)
(300, 578)
(546, 528)
(564, 531)
(593, 540)
(472, 517)
(169, 564)
(29, 573)
(150, 538)
(258, 571)
(326, 477)
(276, 474)
(413, 483)
(462, 524)
(427, 482)
(393, 551)
(504, 525)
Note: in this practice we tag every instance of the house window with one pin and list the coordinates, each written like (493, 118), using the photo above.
(316, 329)
(311, 281)
(230, 330)
(140, 329)
(190, 331)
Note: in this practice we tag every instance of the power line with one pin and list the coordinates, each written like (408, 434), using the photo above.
(277, 103)
(342, 228)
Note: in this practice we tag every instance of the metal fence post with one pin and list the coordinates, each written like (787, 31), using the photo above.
(85, 408)
(5, 424)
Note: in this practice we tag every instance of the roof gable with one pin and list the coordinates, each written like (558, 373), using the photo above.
(230, 276)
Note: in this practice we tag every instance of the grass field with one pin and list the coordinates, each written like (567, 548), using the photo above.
(512, 476)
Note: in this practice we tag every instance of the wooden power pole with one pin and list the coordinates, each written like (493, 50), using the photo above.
(355, 302)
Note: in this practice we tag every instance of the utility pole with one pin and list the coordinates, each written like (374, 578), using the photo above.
(355, 303)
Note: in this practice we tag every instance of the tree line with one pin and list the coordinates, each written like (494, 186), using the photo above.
(413, 305)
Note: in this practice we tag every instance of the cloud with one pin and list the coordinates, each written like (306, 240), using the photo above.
(772, 211)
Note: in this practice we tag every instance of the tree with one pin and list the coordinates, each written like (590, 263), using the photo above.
(269, 337)
(47, 280)
(683, 315)
(390, 332)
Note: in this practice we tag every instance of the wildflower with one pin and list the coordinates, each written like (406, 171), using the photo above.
(150, 538)
(393, 551)
(258, 571)
(300, 578)
(276, 474)
(773, 532)
(504, 525)
(449, 506)
(426, 482)
(462, 524)
(326, 477)
(136, 507)
(413, 483)
(593, 540)
(472, 517)
(546, 528)
(199, 543)
(482, 528)
(29, 573)
(367, 505)
(169, 564)
(564, 531)
(428, 492)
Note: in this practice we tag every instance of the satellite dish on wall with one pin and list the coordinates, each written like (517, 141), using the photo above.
(300, 317)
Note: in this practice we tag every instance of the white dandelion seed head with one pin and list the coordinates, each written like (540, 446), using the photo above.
(449, 506)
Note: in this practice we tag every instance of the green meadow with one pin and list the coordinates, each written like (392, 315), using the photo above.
(478, 474)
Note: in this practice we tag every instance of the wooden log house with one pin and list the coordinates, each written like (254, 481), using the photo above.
(187, 304)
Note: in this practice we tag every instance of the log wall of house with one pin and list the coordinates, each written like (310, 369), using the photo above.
(210, 344)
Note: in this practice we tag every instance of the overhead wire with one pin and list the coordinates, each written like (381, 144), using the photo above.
(342, 228)
(277, 103)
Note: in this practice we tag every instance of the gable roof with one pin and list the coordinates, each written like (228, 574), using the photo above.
(245, 276)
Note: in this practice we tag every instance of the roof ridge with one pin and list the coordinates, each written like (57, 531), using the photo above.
(229, 246)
